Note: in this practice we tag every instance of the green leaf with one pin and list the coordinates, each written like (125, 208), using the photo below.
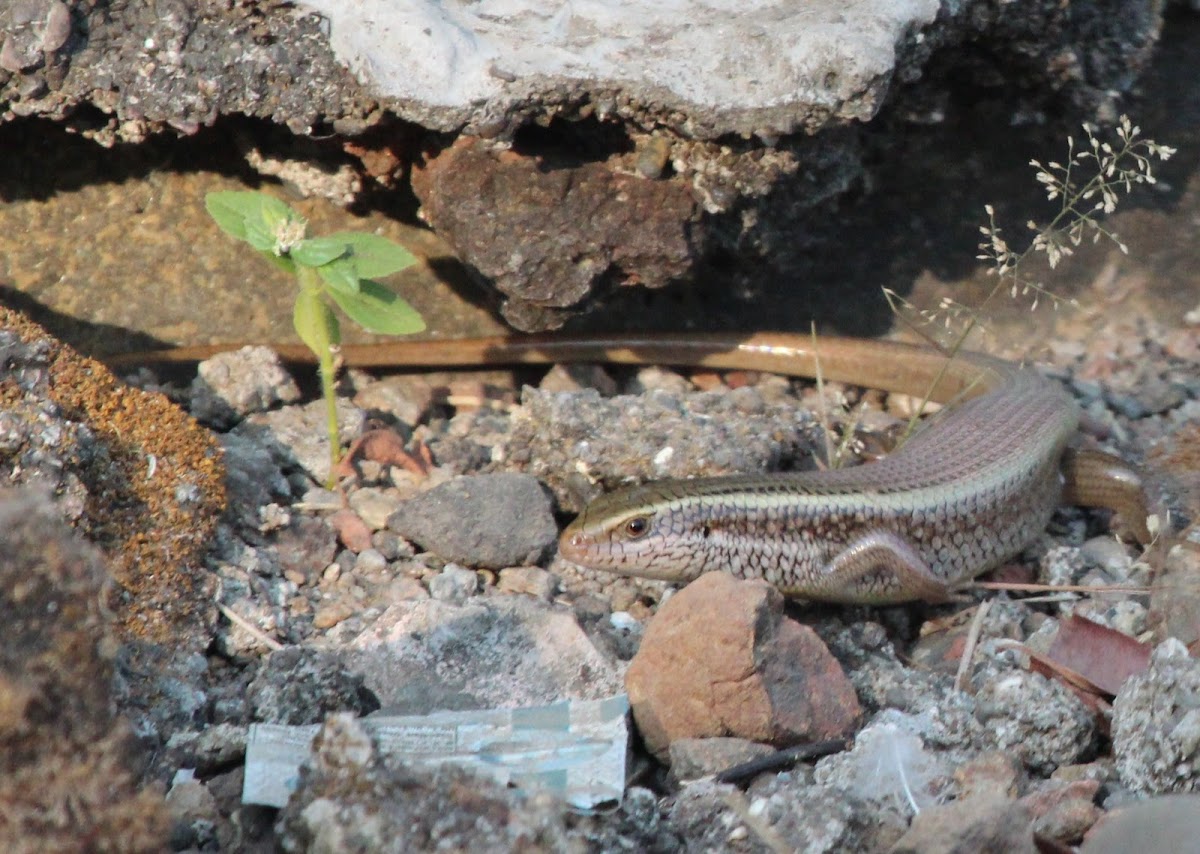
(234, 210)
(376, 309)
(318, 251)
(315, 322)
(341, 275)
(373, 255)
(283, 262)
(260, 236)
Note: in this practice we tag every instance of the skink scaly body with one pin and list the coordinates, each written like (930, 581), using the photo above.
(964, 494)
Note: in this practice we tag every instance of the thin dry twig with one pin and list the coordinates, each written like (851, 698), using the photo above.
(254, 631)
(968, 653)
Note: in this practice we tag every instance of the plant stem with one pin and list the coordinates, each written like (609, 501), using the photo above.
(324, 339)
(327, 370)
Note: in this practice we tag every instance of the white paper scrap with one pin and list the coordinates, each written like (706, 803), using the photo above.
(575, 748)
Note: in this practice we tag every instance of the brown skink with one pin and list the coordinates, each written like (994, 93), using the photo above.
(961, 496)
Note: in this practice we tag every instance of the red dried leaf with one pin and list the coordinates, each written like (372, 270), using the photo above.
(1103, 656)
(385, 446)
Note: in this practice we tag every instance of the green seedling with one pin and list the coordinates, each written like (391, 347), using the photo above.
(340, 267)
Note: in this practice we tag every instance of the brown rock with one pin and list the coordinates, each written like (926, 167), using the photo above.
(66, 772)
(517, 222)
(720, 659)
(352, 531)
(1066, 814)
(983, 825)
(995, 774)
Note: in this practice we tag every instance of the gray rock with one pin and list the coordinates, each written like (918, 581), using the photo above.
(556, 436)
(374, 505)
(231, 385)
(1034, 718)
(370, 562)
(297, 436)
(490, 521)
(794, 815)
(205, 751)
(766, 70)
(493, 652)
(698, 757)
(1165, 824)
(306, 546)
(453, 584)
(252, 477)
(301, 685)
(1156, 723)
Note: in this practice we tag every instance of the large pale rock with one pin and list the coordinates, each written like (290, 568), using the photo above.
(501, 652)
(720, 659)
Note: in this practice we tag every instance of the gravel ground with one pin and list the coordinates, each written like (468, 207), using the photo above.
(441, 541)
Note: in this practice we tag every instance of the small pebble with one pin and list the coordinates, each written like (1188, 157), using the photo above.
(370, 561)
(406, 588)
(392, 546)
(1108, 554)
(532, 580)
(329, 614)
(453, 584)
(295, 576)
(352, 531)
(374, 505)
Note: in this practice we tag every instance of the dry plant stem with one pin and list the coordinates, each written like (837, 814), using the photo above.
(1016, 587)
(248, 627)
(964, 663)
(1077, 213)
(826, 428)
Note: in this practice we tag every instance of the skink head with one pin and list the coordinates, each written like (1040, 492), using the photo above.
(634, 531)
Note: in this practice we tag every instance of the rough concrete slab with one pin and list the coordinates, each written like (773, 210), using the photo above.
(751, 67)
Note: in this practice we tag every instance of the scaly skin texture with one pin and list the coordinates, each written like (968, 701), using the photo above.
(964, 494)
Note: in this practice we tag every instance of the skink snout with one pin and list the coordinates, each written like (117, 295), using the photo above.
(575, 545)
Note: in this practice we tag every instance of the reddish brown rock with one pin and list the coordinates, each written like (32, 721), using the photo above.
(518, 223)
(352, 531)
(1063, 811)
(984, 824)
(720, 659)
(994, 774)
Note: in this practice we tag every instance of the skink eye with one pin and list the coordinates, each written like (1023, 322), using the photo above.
(636, 527)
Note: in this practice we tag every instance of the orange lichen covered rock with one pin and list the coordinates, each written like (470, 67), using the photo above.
(136, 475)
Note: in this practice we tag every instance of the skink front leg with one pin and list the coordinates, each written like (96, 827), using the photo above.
(1097, 479)
(876, 568)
